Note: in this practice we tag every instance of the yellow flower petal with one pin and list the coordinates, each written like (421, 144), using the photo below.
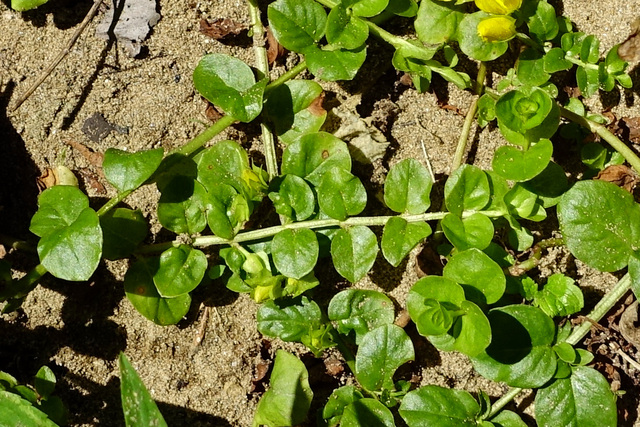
(499, 7)
(497, 28)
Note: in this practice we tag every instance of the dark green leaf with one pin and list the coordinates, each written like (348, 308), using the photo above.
(588, 81)
(559, 297)
(295, 109)
(340, 398)
(467, 189)
(354, 251)
(555, 61)
(297, 24)
(548, 185)
(223, 163)
(313, 154)
(399, 237)
(583, 399)
(406, 8)
(437, 22)
(600, 223)
(289, 319)
(345, 30)
(470, 333)
(475, 231)
(543, 25)
(45, 382)
(367, 412)
(71, 238)
(226, 211)
(229, 83)
(143, 295)
(530, 68)
(381, 352)
(360, 311)
(16, 411)
(438, 406)
(181, 270)
(407, 187)
(341, 194)
(288, 399)
(333, 64)
(520, 352)
(294, 198)
(295, 252)
(137, 404)
(182, 205)
(522, 165)
(508, 419)
(128, 171)
(123, 230)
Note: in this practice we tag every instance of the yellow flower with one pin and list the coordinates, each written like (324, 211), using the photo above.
(497, 28)
(499, 7)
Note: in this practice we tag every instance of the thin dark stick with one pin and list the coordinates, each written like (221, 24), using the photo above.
(61, 55)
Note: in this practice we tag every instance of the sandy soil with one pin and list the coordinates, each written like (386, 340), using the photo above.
(78, 329)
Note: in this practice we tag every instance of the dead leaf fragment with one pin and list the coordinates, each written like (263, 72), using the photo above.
(220, 28)
(366, 143)
(133, 24)
(316, 107)
(92, 181)
(628, 128)
(620, 175)
(275, 50)
(59, 175)
(629, 50)
(333, 366)
(93, 157)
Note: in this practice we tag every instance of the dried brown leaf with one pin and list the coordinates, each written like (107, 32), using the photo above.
(629, 50)
(333, 366)
(620, 175)
(91, 180)
(93, 157)
(220, 28)
(275, 50)
(316, 107)
(212, 113)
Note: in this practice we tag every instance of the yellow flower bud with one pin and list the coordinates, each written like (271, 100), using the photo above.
(499, 7)
(497, 29)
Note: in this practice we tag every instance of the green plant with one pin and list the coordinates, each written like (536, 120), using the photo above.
(483, 305)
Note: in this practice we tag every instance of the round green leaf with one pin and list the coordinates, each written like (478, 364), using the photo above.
(360, 311)
(583, 399)
(229, 83)
(223, 163)
(354, 251)
(287, 319)
(543, 25)
(367, 412)
(548, 185)
(58, 207)
(438, 406)
(399, 237)
(470, 333)
(475, 231)
(295, 252)
(340, 398)
(407, 187)
(297, 24)
(313, 154)
(289, 396)
(437, 22)
(22, 5)
(128, 171)
(143, 295)
(345, 30)
(472, 44)
(221, 211)
(530, 68)
(600, 223)
(381, 352)
(520, 353)
(508, 419)
(368, 8)
(182, 205)
(73, 252)
(45, 382)
(181, 270)
(480, 276)
(518, 165)
(294, 109)
(123, 230)
(560, 297)
(331, 65)
(294, 198)
(466, 189)
(436, 288)
(341, 194)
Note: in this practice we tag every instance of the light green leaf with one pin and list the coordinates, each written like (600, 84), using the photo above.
(399, 237)
(137, 404)
(438, 406)
(354, 251)
(295, 252)
(360, 311)
(181, 270)
(297, 24)
(407, 187)
(128, 171)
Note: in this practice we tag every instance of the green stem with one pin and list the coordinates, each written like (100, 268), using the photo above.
(28, 282)
(113, 202)
(464, 136)
(247, 236)
(626, 152)
(262, 64)
(598, 312)
(286, 77)
(208, 134)
(536, 255)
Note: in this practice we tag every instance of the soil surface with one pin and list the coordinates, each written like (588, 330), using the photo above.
(100, 97)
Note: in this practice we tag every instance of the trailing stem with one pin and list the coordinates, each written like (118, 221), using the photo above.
(598, 312)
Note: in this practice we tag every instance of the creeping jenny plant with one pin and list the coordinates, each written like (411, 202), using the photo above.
(510, 325)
